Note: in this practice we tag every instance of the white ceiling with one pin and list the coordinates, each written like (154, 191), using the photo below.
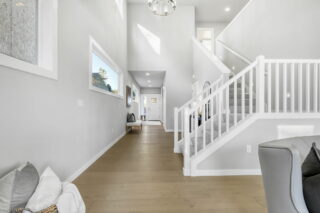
(210, 10)
(154, 80)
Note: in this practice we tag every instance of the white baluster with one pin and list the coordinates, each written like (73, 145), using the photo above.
(182, 123)
(308, 88)
(269, 89)
(285, 95)
(277, 87)
(186, 154)
(292, 88)
(212, 120)
(203, 116)
(251, 91)
(176, 127)
(227, 109)
(300, 88)
(243, 110)
(220, 113)
(235, 103)
(196, 127)
(315, 88)
(260, 85)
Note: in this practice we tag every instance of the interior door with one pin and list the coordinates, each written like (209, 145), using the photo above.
(153, 107)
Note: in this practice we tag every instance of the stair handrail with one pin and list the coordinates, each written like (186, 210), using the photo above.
(213, 58)
(180, 111)
(191, 115)
(286, 86)
(213, 86)
(236, 77)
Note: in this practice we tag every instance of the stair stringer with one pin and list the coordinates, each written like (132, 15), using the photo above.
(233, 132)
(241, 127)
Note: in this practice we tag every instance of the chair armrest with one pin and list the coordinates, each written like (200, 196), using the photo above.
(281, 170)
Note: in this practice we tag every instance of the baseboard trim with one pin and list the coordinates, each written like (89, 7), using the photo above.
(72, 177)
(226, 172)
(186, 172)
(169, 130)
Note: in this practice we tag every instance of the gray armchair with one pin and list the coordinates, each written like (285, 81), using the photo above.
(281, 162)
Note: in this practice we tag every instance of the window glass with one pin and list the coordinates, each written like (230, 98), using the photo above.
(19, 29)
(103, 76)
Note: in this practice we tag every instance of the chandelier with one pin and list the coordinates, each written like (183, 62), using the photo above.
(162, 7)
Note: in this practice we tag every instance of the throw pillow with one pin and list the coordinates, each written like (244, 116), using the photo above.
(311, 179)
(47, 192)
(311, 192)
(17, 187)
(311, 165)
(25, 184)
(6, 186)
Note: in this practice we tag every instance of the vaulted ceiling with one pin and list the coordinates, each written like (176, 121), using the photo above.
(211, 10)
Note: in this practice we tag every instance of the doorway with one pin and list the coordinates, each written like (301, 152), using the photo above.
(206, 38)
(152, 106)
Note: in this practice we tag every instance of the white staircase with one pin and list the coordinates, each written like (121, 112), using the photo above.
(267, 87)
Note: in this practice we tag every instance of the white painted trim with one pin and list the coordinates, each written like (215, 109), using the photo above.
(76, 174)
(186, 172)
(47, 45)
(215, 60)
(202, 155)
(96, 48)
(226, 172)
(20, 65)
(169, 130)
(243, 58)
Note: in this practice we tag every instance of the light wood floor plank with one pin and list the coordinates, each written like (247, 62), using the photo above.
(141, 174)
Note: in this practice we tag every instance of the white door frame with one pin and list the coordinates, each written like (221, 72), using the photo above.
(160, 98)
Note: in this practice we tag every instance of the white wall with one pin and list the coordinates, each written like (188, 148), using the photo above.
(173, 36)
(276, 29)
(150, 90)
(40, 121)
(206, 66)
(217, 26)
(234, 156)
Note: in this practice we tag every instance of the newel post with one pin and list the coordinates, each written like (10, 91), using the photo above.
(260, 84)
(176, 130)
(186, 151)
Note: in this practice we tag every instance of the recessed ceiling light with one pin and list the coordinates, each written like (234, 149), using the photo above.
(147, 74)
(149, 81)
(227, 9)
(19, 4)
(149, 86)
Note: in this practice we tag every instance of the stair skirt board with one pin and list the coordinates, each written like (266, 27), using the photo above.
(224, 172)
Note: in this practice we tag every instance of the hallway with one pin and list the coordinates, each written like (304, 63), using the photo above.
(141, 174)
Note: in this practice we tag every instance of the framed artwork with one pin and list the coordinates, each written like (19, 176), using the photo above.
(128, 96)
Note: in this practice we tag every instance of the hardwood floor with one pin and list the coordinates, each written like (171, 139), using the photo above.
(141, 174)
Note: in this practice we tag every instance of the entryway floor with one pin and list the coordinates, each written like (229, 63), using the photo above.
(151, 123)
(141, 174)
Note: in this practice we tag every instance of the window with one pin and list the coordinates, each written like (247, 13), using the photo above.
(19, 30)
(28, 36)
(104, 76)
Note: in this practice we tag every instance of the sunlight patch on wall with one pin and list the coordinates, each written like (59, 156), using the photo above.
(290, 131)
(152, 39)
(119, 4)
